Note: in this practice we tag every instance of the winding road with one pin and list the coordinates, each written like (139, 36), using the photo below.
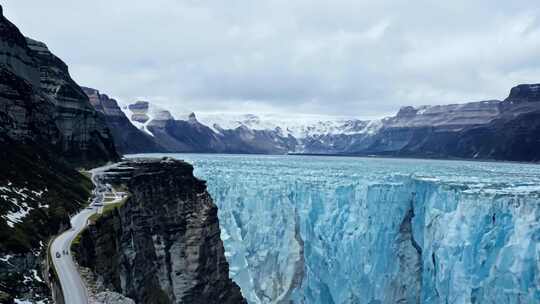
(72, 284)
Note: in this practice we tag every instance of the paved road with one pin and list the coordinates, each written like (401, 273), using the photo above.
(72, 285)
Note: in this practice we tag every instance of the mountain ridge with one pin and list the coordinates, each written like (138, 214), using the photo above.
(438, 131)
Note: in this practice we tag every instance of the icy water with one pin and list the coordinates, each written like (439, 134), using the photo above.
(312, 229)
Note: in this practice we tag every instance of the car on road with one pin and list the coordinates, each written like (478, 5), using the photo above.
(58, 255)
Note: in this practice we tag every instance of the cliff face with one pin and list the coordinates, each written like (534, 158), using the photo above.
(512, 134)
(85, 135)
(525, 93)
(41, 103)
(493, 129)
(163, 244)
(127, 138)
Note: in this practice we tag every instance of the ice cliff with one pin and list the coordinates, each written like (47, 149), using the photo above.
(326, 230)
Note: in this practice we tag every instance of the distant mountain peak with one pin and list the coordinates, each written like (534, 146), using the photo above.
(407, 111)
(525, 93)
(192, 118)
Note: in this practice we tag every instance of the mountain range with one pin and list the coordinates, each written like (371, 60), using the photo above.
(490, 130)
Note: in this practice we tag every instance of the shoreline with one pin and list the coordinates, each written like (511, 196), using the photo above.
(364, 156)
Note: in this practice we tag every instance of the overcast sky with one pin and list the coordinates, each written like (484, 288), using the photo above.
(339, 57)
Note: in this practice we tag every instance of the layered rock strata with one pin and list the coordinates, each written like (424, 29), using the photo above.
(127, 138)
(163, 244)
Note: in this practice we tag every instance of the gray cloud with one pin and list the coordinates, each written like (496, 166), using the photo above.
(342, 57)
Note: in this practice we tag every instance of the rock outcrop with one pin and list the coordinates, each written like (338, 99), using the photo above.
(85, 135)
(525, 93)
(493, 129)
(163, 244)
(510, 133)
(127, 138)
(41, 103)
(108, 297)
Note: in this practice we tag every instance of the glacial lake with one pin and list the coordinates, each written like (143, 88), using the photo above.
(316, 229)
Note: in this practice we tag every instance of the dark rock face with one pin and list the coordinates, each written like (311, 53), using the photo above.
(513, 134)
(26, 115)
(40, 101)
(525, 93)
(495, 130)
(185, 136)
(127, 138)
(514, 139)
(404, 289)
(245, 140)
(85, 136)
(163, 245)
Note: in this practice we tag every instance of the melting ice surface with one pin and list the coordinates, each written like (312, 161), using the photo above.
(365, 230)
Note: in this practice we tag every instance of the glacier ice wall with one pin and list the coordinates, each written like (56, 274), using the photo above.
(346, 230)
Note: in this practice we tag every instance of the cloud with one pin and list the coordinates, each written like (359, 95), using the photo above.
(343, 57)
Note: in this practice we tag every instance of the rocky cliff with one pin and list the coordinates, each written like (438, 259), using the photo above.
(505, 130)
(163, 244)
(41, 103)
(85, 136)
(127, 138)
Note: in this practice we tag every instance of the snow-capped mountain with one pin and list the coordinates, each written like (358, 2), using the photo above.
(127, 136)
(142, 113)
(464, 130)
(300, 126)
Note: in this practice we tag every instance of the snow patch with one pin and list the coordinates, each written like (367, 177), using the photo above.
(298, 126)
(14, 217)
(22, 201)
(152, 112)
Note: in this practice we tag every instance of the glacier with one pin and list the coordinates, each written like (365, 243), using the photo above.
(367, 230)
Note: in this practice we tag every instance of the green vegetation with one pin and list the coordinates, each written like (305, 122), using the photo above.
(64, 192)
(120, 187)
(5, 297)
(77, 241)
(76, 245)
(109, 208)
(86, 174)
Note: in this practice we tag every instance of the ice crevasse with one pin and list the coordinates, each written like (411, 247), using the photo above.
(328, 230)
